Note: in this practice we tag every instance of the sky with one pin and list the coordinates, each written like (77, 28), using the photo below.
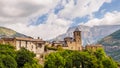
(49, 18)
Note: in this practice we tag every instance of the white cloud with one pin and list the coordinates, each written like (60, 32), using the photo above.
(16, 14)
(22, 9)
(52, 27)
(82, 8)
(112, 18)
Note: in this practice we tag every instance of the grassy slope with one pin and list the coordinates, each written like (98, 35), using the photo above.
(6, 32)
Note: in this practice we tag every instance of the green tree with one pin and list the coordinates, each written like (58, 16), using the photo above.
(6, 49)
(76, 59)
(7, 56)
(24, 56)
(100, 54)
(109, 63)
(34, 65)
(10, 58)
(54, 60)
(8, 62)
(1, 64)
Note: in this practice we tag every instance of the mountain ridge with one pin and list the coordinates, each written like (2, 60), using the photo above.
(111, 44)
(90, 35)
(9, 33)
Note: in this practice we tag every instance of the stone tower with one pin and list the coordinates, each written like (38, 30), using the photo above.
(77, 35)
(77, 39)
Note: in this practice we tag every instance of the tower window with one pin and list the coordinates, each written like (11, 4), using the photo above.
(78, 33)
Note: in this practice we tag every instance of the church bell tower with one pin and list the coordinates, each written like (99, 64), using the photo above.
(77, 35)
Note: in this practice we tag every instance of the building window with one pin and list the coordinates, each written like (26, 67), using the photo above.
(79, 48)
(39, 45)
(36, 47)
(77, 33)
(26, 44)
(71, 47)
(8, 42)
(19, 44)
(32, 46)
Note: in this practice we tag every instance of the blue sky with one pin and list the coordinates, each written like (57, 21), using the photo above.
(108, 7)
(50, 18)
(114, 5)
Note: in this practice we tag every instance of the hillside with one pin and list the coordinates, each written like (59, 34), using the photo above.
(111, 44)
(90, 34)
(111, 40)
(6, 32)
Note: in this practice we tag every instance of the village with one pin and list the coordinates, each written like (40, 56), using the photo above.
(38, 46)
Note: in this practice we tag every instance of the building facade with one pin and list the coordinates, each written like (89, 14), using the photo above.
(70, 43)
(34, 45)
(93, 47)
(75, 43)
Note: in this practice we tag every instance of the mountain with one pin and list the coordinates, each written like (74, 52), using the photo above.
(111, 40)
(90, 34)
(6, 32)
(111, 45)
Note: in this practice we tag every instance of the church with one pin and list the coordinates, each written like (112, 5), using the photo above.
(75, 43)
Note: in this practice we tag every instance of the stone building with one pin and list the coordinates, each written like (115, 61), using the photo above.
(93, 47)
(57, 43)
(70, 43)
(75, 43)
(34, 45)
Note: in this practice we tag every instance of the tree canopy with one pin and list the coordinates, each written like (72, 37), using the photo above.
(77, 59)
(10, 58)
(23, 58)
